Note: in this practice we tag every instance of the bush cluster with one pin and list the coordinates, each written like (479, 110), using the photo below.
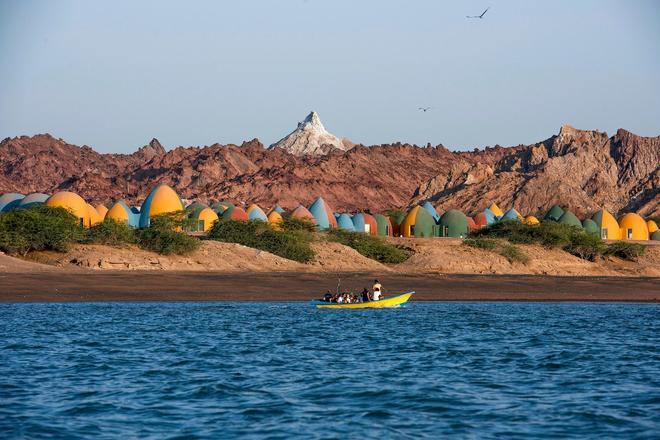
(42, 228)
(291, 241)
(370, 246)
(39, 228)
(550, 234)
(509, 251)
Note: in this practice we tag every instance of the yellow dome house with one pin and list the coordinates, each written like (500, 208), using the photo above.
(653, 226)
(73, 203)
(94, 216)
(607, 225)
(496, 210)
(275, 220)
(161, 200)
(633, 227)
(531, 220)
(101, 209)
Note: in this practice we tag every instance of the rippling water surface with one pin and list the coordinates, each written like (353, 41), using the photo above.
(217, 370)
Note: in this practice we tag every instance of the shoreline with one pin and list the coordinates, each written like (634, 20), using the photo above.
(140, 286)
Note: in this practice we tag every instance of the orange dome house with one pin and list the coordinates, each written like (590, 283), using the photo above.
(235, 213)
(275, 220)
(607, 225)
(94, 217)
(303, 213)
(121, 212)
(161, 200)
(531, 220)
(101, 209)
(73, 203)
(633, 227)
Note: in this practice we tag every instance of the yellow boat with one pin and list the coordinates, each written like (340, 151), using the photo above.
(392, 301)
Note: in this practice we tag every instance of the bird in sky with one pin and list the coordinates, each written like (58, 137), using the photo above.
(424, 109)
(478, 16)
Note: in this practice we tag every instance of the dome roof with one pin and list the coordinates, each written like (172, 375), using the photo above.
(497, 212)
(364, 222)
(417, 223)
(531, 220)
(345, 222)
(652, 226)
(607, 225)
(71, 202)
(431, 210)
(221, 206)
(384, 225)
(101, 209)
(568, 218)
(235, 213)
(275, 219)
(9, 201)
(94, 216)
(254, 212)
(322, 212)
(277, 208)
(161, 200)
(302, 213)
(633, 227)
(554, 213)
(472, 226)
(33, 200)
(490, 216)
(590, 227)
(206, 215)
(453, 223)
(120, 212)
(511, 214)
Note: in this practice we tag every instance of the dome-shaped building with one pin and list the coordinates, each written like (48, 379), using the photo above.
(222, 206)
(531, 220)
(235, 213)
(554, 214)
(34, 199)
(590, 227)
(453, 223)
(481, 219)
(204, 217)
(418, 223)
(472, 226)
(568, 218)
(431, 210)
(363, 222)
(94, 217)
(121, 212)
(396, 218)
(101, 209)
(277, 208)
(73, 203)
(608, 228)
(511, 215)
(384, 225)
(161, 200)
(275, 219)
(254, 212)
(322, 212)
(633, 227)
(303, 213)
(497, 212)
(10, 201)
(345, 222)
(652, 226)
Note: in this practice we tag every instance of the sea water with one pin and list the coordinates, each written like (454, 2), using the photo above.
(286, 370)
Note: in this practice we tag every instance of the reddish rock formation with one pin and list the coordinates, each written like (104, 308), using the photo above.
(583, 170)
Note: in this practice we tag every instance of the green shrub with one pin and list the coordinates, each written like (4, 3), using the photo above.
(38, 228)
(164, 235)
(549, 234)
(293, 243)
(370, 246)
(513, 253)
(481, 243)
(298, 224)
(625, 251)
(111, 232)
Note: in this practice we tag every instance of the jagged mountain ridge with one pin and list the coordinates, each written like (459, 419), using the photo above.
(581, 169)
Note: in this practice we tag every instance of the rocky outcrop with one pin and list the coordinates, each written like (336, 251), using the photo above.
(311, 137)
(583, 170)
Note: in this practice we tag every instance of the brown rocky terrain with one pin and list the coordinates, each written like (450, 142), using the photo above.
(583, 170)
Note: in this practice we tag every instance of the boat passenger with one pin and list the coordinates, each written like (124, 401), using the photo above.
(377, 290)
(365, 295)
(327, 297)
(340, 299)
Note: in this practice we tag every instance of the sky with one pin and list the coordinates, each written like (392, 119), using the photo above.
(115, 74)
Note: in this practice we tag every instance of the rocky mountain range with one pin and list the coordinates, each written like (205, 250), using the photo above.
(583, 170)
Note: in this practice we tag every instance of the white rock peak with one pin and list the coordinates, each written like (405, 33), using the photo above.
(311, 137)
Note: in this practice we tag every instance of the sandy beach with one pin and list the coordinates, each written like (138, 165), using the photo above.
(55, 286)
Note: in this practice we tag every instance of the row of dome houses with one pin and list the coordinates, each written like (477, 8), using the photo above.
(420, 221)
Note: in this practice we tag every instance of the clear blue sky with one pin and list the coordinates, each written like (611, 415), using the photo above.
(116, 74)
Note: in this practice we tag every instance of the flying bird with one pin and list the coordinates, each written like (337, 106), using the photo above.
(478, 16)
(424, 109)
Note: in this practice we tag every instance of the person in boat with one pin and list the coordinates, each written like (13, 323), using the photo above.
(365, 295)
(377, 288)
(327, 297)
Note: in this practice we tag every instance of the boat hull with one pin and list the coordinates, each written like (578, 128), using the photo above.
(393, 301)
